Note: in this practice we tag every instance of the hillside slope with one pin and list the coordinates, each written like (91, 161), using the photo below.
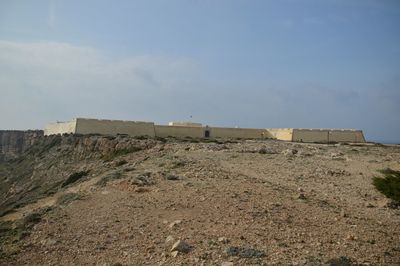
(96, 200)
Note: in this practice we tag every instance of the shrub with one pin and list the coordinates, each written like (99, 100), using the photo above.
(68, 198)
(340, 261)
(109, 177)
(74, 177)
(389, 184)
(120, 163)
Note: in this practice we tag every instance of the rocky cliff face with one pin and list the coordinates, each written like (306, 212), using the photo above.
(15, 142)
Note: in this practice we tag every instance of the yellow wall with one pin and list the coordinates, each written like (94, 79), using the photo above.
(328, 135)
(113, 127)
(60, 128)
(178, 131)
(239, 133)
(310, 135)
(346, 136)
(281, 133)
(132, 128)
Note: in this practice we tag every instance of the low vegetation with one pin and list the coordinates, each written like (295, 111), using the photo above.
(68, 198)
(116, 174)
(389, 184)
(111, 156)
(74, 177)
(12, 232)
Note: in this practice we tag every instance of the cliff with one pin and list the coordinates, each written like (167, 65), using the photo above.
(15, 142)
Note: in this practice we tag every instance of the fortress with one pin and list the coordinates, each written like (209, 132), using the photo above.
(197, 130)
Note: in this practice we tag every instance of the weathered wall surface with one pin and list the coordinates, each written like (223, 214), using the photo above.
(281, 133)
(15, 142)
(60, 128)
(114, 127)
(179, 131)
(346, 136)
(328, 135)
(239, 133)
(310, 135)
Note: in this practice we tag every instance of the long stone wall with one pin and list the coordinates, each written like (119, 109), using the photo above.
(133, 128)
(281, 133)
(60, 128)
(179, 131)
(114, 127)
(239, 133)
(327, 135)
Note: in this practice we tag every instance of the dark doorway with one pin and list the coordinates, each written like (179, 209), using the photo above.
(207, 133)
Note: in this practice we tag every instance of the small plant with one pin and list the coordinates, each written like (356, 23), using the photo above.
(68, 198)
(172, 177)
(340, 261)
(120, 163)
(389, 184)
(111, 176)
(245, 252)
(142, 180)
(74, 177)
(117, 153)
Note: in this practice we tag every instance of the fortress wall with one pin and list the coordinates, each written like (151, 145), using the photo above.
(328, 135)
(238, 133)
(179, 131)
(310, 135)
(60, 128)
(114, 127)
(346, 136)
(281, 133)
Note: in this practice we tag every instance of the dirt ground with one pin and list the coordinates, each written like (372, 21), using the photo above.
(231, 203)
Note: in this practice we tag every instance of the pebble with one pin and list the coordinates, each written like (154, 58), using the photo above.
(180, 246)
(223, 240)
(169, 239)
(174, 223)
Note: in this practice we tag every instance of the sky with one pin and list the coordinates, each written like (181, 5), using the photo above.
(245, 63)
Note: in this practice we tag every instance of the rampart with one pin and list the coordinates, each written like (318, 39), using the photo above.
(239, 133)
(136, 128)
(113, 127)
(327, 135)
(179, 131)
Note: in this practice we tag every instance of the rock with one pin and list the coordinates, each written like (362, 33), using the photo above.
(142, 180)
(174, 223)
(245, 252)
(266, 150)
(302, 196)
(351, 237)
(343, 214)
(172, 177)
(181, 246)
(14, 142)
(223, 240)
(290, 152)
(227, 263)
(141, 189)
(169, 239)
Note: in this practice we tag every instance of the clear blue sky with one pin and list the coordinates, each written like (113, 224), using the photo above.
(248, 63)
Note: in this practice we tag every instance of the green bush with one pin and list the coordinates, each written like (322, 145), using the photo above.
(389, 184)
(74, 177)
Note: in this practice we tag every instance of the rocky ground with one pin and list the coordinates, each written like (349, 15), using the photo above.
(91, 200)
